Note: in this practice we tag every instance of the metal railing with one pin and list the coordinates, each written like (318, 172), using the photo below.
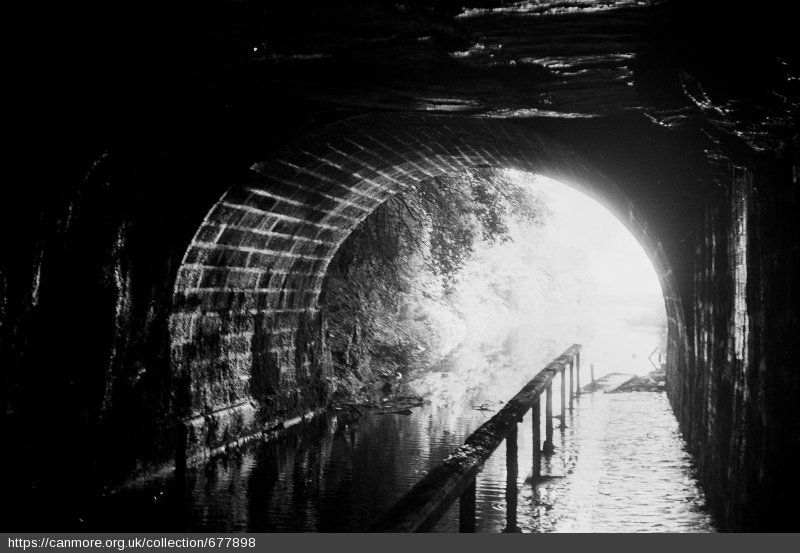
(454, 478)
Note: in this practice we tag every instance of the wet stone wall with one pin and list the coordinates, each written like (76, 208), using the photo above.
(736, 397)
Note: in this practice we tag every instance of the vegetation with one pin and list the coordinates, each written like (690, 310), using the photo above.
(415, 244)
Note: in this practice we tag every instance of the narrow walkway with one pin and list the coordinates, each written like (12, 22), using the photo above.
(619, 466)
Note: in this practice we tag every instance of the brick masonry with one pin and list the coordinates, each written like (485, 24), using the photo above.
(736, 394)
(247, 344)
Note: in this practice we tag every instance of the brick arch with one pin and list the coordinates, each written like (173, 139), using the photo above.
(244, 329)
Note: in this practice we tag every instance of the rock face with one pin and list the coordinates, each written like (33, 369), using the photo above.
(189, 173)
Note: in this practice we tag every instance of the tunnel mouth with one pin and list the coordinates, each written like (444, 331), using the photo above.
(248, 338)
(553, 267)
(627, 303)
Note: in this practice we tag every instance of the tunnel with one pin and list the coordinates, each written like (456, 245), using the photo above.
(253, 272)
(162, 300)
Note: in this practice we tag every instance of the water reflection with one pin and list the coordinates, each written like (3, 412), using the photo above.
(618, 465)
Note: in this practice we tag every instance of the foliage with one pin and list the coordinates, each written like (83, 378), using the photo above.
(414, 243)
(439, 219)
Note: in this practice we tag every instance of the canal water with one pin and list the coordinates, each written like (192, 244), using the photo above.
(619, 466)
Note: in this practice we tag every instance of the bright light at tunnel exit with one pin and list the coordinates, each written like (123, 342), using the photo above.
(627, 311)
(579, 276)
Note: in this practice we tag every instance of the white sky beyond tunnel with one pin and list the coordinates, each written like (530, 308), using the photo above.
(617, 261)
(626, 311)
(581, 277)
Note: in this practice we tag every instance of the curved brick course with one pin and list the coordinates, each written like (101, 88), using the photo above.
(252, 274)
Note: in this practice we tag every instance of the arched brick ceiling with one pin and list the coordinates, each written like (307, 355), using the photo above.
(267, 242)
(254, 269)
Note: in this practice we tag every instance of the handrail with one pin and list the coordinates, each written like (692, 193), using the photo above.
(424, 505)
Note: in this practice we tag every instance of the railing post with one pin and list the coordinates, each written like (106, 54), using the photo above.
(563, 397)
(454, 478)
(536, 427)
(512, 470)
(578, 374)
(548, 420)
(591, 368)
(466, 510)
(571, 383)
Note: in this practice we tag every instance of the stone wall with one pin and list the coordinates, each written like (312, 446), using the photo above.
(736, 397)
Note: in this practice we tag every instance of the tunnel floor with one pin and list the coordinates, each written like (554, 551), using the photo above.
(619, 465)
